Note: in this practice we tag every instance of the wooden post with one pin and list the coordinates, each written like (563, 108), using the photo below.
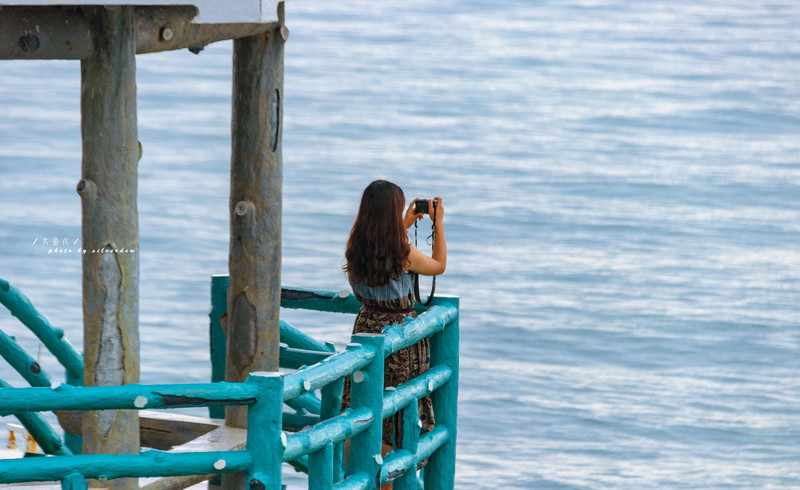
(254, 261)
(265, 438)
(441, 468)
(110, 228)
(367, 391)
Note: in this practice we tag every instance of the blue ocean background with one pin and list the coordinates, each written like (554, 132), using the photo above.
(622, 191)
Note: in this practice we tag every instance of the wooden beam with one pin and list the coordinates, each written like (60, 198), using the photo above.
(31, 33)
(110, 229)
(169, 28)
(254, 260)
(64, 33)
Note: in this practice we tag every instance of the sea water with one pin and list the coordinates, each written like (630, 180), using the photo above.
(621, 185)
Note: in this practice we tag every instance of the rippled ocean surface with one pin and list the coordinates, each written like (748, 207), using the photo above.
(622, 192)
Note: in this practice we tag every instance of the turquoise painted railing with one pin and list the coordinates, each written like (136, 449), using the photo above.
(264, 393)
(54, 341)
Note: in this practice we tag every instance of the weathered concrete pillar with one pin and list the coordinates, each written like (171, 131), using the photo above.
(108, 190)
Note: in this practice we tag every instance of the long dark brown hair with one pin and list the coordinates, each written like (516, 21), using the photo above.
(378, 246)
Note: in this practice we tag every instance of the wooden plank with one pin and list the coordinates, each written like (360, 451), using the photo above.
(176, 482)
(157, 430)
(110, 229)
(220, 439)
(165, 430)
(64, 33)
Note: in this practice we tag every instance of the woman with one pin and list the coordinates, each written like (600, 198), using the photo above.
(379, 263)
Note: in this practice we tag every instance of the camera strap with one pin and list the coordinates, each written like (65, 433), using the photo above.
(432, 238)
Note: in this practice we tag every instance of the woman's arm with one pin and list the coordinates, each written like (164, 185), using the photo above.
(437, 262)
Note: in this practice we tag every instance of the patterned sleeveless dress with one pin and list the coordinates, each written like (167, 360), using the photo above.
(381, 307)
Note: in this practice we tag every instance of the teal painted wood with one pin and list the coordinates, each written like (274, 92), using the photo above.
(308, 299)
(401, 460)
(22, 362)
(296, 338)
(264, 431)
(366, 391)
(216, 336)
(408, 480)
(414, 330)
(360, 481)
(147, 464)
(416, 388)
(331, 403)
(441, 468)
(298, 420)
(40, 430)
(305, 401)
(74, 441)
(339, 461)
(356, 423)
(75, 481)
(348, 424)
(299, 464)
(330, 369)
(52, 338)
(292, 358)
(133, 396)
(320, 471)
(32, 372)
(331, 406)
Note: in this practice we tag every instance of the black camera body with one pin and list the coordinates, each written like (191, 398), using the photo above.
(421, 206)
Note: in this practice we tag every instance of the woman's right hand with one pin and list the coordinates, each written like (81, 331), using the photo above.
(438, 215)
(435, 264)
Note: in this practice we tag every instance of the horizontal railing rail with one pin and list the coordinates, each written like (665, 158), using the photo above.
(132, 396)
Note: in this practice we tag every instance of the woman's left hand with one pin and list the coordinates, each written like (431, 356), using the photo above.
(410, 216)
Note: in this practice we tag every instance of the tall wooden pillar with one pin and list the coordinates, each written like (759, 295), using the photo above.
(110, 229)
(254, 261)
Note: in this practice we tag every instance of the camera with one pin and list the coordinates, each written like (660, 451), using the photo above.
(421, 206)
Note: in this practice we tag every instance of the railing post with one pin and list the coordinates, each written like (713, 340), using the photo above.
(75, 481)
(411, 427)
(264, 434)
(330, 407)
(216, 336)
(366, 390)
(320, 469)
(441, 468)
(74, 442)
